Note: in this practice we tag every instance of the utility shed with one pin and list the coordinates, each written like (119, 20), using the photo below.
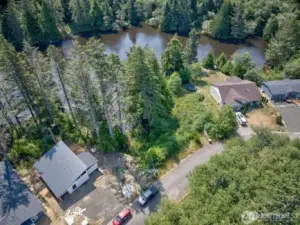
(280, 90)
(18, 205)
(89, 160)
(62, 170)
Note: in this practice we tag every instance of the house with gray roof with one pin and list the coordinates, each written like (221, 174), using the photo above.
(280, 90)
(63, 171)
(236, 92)
(18, 205)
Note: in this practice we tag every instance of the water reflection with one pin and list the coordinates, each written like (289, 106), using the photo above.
(121, 42)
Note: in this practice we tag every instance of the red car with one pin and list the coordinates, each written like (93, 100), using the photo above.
(122, 217)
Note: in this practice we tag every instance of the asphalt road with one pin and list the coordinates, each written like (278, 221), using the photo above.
(174, 184)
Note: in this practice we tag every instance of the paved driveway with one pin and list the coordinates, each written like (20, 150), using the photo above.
(99, 199)
(245, 132)
(291, 117)
(174, 184)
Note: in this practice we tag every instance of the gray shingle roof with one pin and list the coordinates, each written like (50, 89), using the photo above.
(282, 86)
(17, 202)
(236, 89)
(59, 168)
(87, 158)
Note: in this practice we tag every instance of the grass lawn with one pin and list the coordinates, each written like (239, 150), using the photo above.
(204, 84)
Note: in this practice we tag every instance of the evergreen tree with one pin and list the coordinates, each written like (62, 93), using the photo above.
(44, 82)
(115, 70)
(285, 44)
(59, 64)
(67, 13)
(11, 26)
(132, 11)
(84, 89)
(98, 62)
(227, 68)
(12, 68)
(82, 21)
(31, 24)
(172, 58)
(209, 61)
(183, 10)
(220, 27)
(191, 48)
(108, 18)
(144, 95)
(97, 15)
(221, 61)
(238, 22)
(174, 83)
(271, 28)
(166, 19)
(49, 24)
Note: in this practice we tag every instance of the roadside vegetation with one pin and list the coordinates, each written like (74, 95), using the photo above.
(256, 175)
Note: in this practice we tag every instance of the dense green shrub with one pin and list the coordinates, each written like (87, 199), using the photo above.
(225, 125)
(25, 152)
(292, 69)
(240, 180)
(241, 64)
(253, 76)
(174, 83)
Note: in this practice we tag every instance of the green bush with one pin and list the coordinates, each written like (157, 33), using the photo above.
(253, 76)
(25, 152)
(196, 71)
(225, 126)
(292, 69)
(241, 64)
(174, 83)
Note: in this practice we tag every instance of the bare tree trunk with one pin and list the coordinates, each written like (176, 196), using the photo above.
(105, 108)
(87, 96)
(10, 106)
(121, 115)
(27, 98)
(37, 73)
(6, 117)
(62, 83)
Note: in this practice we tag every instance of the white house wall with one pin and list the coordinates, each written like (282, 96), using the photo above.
(78, 182)
(92, 168)
(216, 94)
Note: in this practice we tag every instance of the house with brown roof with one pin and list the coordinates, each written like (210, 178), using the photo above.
(236, 92)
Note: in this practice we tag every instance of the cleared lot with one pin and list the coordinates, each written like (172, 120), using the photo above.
(98, 198)
(262, 117)
(291, 117)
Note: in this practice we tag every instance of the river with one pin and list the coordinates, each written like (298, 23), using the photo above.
(144, 35)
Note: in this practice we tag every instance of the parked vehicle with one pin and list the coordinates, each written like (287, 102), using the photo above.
(241, 119)
(147, 195)
(190, 87)
(122, 217)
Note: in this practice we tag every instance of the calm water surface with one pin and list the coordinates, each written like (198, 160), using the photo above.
(121, 42)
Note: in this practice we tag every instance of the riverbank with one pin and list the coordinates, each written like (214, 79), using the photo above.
(146, 35)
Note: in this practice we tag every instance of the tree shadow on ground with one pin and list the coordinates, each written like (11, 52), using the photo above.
(200, 83)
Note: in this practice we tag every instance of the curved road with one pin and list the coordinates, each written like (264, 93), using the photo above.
(174, 184)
